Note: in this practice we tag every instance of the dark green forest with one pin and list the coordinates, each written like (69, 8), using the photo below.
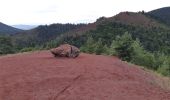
(161, 14)
(42, 34)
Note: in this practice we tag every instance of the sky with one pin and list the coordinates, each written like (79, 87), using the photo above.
(36, 12)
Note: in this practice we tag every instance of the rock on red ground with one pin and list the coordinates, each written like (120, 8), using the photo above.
(40, 76)
(65, 50)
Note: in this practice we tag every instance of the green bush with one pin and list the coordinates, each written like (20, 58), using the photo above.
(51, 44)
(164, 69)
(89, 46)
(98, 47)
(112, 50)
(147, 60)
(142, 57)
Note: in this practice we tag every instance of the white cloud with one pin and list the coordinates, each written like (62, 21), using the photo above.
(72, 11)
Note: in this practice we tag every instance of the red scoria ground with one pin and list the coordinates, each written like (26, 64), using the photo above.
(40, 76)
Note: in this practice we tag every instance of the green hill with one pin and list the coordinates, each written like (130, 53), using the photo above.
(42, 34)
(162, 14)
(153, 35)
(5, 29)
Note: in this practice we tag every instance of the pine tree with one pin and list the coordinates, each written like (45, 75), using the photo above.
(89, 46)
(124, 46)
(98, 47)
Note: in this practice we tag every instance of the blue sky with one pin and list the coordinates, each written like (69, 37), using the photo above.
(69, 11)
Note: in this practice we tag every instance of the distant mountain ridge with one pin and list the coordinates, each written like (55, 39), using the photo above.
(25, 27)
(43, 33)
(6, 29)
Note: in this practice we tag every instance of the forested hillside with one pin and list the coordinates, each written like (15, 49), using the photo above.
(162, 14)
(6, 30)
(153, 36)
(42, 34)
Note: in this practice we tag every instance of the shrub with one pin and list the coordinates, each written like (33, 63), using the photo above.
(89, 46)
(142, 57)
(164, 69)
(112, 50)
(98, 47)
(27, 49)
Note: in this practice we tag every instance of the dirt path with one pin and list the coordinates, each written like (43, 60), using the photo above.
(39, 76)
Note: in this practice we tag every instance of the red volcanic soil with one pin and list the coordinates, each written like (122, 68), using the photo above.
(40, 76)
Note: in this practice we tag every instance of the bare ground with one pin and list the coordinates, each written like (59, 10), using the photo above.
(40, 76)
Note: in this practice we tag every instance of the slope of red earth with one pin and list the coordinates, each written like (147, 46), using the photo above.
(40, 76)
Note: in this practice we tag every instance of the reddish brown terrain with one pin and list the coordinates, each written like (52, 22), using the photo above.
(40, 76)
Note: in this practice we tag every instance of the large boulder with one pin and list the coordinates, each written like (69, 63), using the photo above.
(65, 50)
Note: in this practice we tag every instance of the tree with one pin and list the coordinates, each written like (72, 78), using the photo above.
(98, 47)
(89, 46)
(123, 46)
(112, 50)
